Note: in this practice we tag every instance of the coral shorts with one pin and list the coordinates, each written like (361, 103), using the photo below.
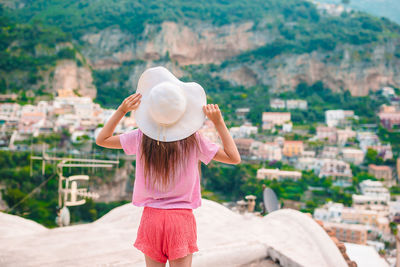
(167, 234)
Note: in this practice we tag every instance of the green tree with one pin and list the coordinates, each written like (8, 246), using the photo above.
(372, 157)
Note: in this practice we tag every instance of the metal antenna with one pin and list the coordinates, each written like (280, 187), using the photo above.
(31, 161)
(68, 195)
(43, 162)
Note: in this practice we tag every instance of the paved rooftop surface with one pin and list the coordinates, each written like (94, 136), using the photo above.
(225, 238)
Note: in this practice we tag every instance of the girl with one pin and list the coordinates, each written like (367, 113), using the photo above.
(168, 148)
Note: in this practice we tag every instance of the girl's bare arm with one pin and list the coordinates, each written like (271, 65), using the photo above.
(105, 137)
(229, 154)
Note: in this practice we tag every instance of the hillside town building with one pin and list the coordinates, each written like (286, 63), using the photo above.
(271, 174)
(292, 148)
(343, 135)
(335, 168)
(374, 196)
(353, 233)
(382, 172)
(329, 212)
(270, 151)
(338, 117)
(330, 152)
(277, 103)
(289, 104)
(244, 131)
(296, 104)
(270, 119)
(244, 146)
(327, 133)
(389, 119)
(241, 113)
(367, 139)
(353, 155)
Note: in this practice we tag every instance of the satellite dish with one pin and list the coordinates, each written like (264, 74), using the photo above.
(271, 202)
(64, 216)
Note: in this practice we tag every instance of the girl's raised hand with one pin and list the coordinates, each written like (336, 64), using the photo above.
(130, 103)
(213, 113)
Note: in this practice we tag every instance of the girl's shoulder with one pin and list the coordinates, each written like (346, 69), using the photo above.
(130, 141)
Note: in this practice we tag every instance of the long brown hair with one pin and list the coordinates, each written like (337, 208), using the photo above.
(163, 159)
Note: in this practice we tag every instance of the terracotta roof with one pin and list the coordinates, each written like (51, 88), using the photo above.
(339, 244)
(377, 167)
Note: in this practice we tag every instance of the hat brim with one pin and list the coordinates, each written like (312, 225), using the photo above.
(188, 124)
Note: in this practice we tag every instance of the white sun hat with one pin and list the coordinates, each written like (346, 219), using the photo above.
(170, 110)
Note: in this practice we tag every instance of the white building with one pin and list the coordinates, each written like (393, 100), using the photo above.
(374, 196)
(353, 155)
(335, 168)
(367, 139)
(308, 154)
(68, 121)
(270, 119)
(343, 135)
(394, 209)
(289, 104)
(277, 103)
(277, 174)
(244, 131)
(208, 130)
(10, 111)
(331, 212)
(327, 133)
(374, 188)
(330, 152)
(296, 104)
(241, 113)
(388, 92)
(287, 127)
(270, 151)
(306, 163)
(31, 120)
(337, 117)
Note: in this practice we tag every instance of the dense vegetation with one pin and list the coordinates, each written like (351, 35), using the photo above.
(113, 85)
(80, 16)
(27, 51)
(323, 33)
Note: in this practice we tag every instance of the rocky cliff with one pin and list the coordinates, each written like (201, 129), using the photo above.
(201, 43)
(67, 75)
(116, 188)
(349, 67)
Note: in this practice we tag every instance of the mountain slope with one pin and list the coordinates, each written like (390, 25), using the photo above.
(380, 8)
(278, 44)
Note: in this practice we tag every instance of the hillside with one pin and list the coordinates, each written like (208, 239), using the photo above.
(380, 8)
(274, 44)
(33, 57)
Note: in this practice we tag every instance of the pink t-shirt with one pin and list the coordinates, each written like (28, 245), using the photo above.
(185, 193)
